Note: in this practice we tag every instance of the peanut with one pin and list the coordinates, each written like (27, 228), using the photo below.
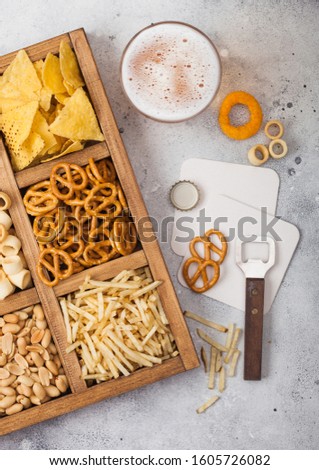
(7, 342)
(52, 391)
(21, 343)
(38, 312)
(4, 373)
(21, 361)
(14, 409)
(11, 318)
(46, 338)
(10, 328)
(7, 401)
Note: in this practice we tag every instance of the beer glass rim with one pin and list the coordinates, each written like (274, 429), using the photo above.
(152, 25)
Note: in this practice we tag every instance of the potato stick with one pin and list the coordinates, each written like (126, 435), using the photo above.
(233, 346)
(75, 328)
(100, 306)
(203, 321)
(73, 346)
(149, 335)
(206, 405)
(203, 356)
(210, 341)
(145, 289)
(108, 356)
(134, 340)
(218, 361)
(81, 312)
(211, 380)
(90, 344)
(136, 357)
(95, 376)
(233, 364)
(118, 285)
(156, 360)
(230, 333)
(174, 354)
(141, 311)
(66, 321)
(221, 381)
(118, 353)
(113, 359)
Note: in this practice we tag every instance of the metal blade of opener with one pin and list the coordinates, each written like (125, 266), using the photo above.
(255, 270)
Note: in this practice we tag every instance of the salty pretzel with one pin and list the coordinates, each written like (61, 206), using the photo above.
(100, 197)
(101, 172)
(98, 253)
(123, 236)
(201, 272)
(122, 198)
(67, 178)
(210, 246)
(5, 201)
(39, 199)
(53, 260)
(47, 226)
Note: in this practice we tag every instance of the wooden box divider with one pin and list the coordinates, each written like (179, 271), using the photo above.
(147, 254)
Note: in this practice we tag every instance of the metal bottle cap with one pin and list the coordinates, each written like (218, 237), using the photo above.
(184, 195)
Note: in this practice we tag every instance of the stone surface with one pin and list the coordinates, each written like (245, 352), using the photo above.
(269, 49)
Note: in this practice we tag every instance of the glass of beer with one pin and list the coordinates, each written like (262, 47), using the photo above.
(170, 71)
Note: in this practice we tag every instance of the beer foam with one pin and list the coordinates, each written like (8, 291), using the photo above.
(170, 71)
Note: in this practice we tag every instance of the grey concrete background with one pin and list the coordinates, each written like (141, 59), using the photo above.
(268, 48)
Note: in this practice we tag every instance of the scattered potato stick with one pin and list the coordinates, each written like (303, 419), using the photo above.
(203, 321)
(203, 356)
(221, 381)
(210, 341)
(230, 333)
(233, 346)
(211, 380)
(206, 405)
(218, 361)
(233, 364)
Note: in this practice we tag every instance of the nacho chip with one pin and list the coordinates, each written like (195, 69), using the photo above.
(22, 75)
(41, 127)
(11, 97)
(51, 74)
(45, 94)
(69, 88)
(28, 152)
(59, 145)
(71, 147)
(16, 124)
(62, 97)
(69, 66)
(77, 120)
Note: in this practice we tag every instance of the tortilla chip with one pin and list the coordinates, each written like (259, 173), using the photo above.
(51, 74)
(69, 66)
(71, 147)
(77, 120)
(11, 97)
(28, 152)
(41, 127)
(22, 75)
(16, 124)
(69, 88)
(62, 97)
(45, 94)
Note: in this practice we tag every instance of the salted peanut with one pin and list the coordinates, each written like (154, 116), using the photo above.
(52, 391)
(21, 361)
(37, 336)
(61, 382)
(13, 351)
(25, 380)
(35, 400)
(15, 369)
(41, 324)
(2, 322)
(11, 328)
(14, 409)
(4, 373)
(3, 359)
(28, 309)
(46, 340)
(37, 359)
(11, 318)
(7, 401)
(25, 401)
(24, 390)
(7, 391)
(33, 369)
(39, 391)
(24, 332)
(46, 355)
(7, 342)
(30, 323)
(21, 323)
(38, 312)
(29, 359)
(22, 344)
(23, 315)
(52, 349)
(35, 348)
(57, 361)
(52, 367)
(8, 381)
(44, 376)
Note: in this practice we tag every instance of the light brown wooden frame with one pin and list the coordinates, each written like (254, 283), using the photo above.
(150, 254)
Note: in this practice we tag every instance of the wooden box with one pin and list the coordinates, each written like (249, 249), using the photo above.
(149, 254)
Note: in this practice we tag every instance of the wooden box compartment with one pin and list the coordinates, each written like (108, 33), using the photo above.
(148, 255)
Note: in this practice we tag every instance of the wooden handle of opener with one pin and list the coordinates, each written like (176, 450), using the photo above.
(253, 328)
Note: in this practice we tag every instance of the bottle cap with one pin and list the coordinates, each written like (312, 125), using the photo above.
(184, 195)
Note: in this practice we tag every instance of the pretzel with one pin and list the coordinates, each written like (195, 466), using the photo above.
(209, 246)
(101, 172)
(201, 272)
(123, 236)
(98, 253)
(53, 260)
(39, 199)
(100, 198)
(47, 226)
(122, 198)
(5, 201)
(64, 183)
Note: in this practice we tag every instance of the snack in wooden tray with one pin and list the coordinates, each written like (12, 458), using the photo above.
(30, 368)
(117, 326)
(13, 272)
(205, 262)
(80, 219)
(44, 111)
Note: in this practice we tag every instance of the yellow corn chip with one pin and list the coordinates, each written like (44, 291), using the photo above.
(41, 127)
(11, 97)
(22, 75)
(28, 152)
(51, 74)
(62, 97)
(45, 94)
(69, 88)
(59, 145)
(69, 66)
(16, 124)
(77, 120)
(72, 147)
